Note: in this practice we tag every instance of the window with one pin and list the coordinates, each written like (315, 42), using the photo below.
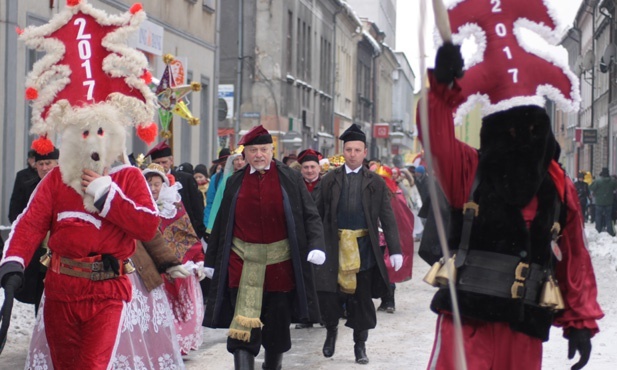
(290, 30)
(308, 54)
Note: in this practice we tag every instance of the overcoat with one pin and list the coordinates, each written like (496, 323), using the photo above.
(305, 233)
(377, 208)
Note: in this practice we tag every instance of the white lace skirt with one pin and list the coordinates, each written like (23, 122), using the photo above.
(188, 309)
(148, 339)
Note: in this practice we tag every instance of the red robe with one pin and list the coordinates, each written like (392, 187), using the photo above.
(260, 218)
(404, 222)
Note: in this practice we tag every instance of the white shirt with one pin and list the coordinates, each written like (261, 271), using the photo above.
(349, 170)
(253, 169)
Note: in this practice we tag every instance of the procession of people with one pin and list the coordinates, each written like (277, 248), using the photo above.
(129, 265)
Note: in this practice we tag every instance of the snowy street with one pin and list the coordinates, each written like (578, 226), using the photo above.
(402, 340)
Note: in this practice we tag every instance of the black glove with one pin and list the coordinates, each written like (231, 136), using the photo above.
(448, 63)
(110, 263)
(579, 340)
(11, 269)
(11, 282)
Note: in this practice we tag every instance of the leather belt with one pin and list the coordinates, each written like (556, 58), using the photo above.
(91, 268)
(501, 275)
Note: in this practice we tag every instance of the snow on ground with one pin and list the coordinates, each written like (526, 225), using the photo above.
(402, 340)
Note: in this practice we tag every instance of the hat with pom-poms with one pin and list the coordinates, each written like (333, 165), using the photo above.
(87, 62)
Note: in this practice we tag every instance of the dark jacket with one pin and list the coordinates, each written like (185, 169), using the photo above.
(151, 259)
(376, 204)
(26, 181)
(192, 200)
(305, 234)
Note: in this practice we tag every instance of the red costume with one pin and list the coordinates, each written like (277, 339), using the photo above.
(456, 165)
(86, 313)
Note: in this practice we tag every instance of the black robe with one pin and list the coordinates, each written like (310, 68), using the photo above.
(305, 233)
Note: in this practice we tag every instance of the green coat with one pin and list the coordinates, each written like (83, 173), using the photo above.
(602, 189)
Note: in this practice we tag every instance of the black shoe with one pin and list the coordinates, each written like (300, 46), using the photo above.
(382, 307)
(330, 343)
(243, 360)
(359, 350)
(360, 337)
(390, 309)
(273, 361)
(304, 325)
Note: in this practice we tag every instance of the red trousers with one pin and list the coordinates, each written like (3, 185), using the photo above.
(83, 334)
(488, 346)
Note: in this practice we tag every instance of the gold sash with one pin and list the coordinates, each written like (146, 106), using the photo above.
(250, 292)
(349, 258)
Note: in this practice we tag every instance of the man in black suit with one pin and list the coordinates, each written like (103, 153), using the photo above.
(22, 188)
(191, 197)
(25, 183)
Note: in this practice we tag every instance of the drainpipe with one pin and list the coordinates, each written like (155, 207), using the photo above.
(238, 93)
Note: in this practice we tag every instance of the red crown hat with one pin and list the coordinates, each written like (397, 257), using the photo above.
(255, 136)
(87, 62)
(159, 150)
(508, 70)
(309, 155)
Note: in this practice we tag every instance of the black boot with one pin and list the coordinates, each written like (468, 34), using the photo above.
(243, 360)
(359, 348)
(330, 344)
(273, 361)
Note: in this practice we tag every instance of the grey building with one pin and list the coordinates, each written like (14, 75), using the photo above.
(382, 13)
(281, 70)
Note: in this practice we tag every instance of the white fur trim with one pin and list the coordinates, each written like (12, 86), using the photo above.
(82, 216)
(115, 190)
(98, 187)
(14, 259)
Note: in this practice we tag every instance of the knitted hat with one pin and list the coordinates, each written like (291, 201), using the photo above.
(202, 169)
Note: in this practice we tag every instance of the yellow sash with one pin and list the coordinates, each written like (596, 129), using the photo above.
(349, 258)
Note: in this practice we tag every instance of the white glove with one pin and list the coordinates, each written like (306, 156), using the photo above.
(178, 272)
(209, 271)
(316, 257)
(204, 245)
(199, 271)
(396, 260)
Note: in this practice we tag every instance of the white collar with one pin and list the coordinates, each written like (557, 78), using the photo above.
(253, 169)
(349, 170)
